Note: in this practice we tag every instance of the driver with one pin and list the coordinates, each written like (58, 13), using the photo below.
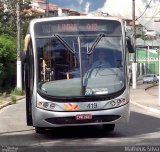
(101, 61)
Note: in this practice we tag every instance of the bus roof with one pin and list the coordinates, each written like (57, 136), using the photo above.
(75, 17)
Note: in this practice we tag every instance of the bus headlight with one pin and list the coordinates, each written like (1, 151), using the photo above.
(118, 102)
(46, 105)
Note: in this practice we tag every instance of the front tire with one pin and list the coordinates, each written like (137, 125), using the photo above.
(109, 127)
(39, 130)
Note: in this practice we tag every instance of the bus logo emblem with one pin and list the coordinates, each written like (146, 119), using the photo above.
(71, 106)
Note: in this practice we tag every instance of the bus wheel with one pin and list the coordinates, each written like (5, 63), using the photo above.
(109, 127)
(40, 130)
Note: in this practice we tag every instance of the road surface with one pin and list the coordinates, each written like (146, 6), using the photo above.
(143, 129)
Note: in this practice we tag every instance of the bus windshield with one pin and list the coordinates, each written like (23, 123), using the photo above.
(80, 64)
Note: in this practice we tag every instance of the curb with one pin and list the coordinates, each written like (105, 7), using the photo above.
(148, 87)
(153, 110)
(5, 105)
(10, 103)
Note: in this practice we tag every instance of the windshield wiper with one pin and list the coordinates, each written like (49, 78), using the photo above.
(95, 43)
(64, 43)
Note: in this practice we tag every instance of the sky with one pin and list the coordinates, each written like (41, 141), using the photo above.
(80, 5)
(122, 8)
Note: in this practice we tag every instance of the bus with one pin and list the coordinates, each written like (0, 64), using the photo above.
(62, 86)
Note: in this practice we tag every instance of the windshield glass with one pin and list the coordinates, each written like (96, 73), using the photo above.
(79, 57)
(79, 72)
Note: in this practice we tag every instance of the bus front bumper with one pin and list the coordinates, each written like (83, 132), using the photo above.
(44, 118)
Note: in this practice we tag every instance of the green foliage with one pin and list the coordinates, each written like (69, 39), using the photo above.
(13, 100)
(8, 34)
(8, 18)
(7, 21)
(7, 61)
(18, 92)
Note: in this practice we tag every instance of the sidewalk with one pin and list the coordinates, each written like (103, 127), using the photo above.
(144, 99)
(139, 97)
(7, 101)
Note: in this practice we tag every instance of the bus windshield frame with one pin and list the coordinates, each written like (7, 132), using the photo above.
(73, 51)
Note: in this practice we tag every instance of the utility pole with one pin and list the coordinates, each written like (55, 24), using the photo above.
(134, 64)
(19, 64)
(159, 76)
(47, 8)
(159, 70)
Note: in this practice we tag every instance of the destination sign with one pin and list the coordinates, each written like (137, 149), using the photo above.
(67, 27)
(74, 26)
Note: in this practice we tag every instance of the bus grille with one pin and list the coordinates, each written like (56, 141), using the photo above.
(72, 120)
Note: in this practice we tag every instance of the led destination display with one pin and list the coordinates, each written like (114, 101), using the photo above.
(77, 26)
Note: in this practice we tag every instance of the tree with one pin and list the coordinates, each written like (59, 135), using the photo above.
(26, 15)
(7, 61)
(7, 22)
(8, 34)
(8, 16)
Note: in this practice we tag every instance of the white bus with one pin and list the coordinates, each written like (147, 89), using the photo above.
(63, 83)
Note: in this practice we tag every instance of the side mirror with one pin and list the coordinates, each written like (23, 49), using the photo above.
(25, 55)
(130, 45)
(26, 42)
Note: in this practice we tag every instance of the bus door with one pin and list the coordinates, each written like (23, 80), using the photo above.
(28, 78)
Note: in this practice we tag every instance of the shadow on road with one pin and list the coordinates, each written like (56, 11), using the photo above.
(139, 127)
(139, 124)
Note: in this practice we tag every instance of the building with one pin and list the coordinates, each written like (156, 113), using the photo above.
(139, 28)
(147, 55)
(49, 9)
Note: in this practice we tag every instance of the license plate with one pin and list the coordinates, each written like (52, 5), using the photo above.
(83, 116)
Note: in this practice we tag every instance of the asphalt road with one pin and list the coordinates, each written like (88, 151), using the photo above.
(143, 129)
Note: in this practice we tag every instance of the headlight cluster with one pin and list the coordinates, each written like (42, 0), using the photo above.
(46, 105)
(117, 102)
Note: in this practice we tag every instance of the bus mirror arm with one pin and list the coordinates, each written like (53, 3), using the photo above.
(130, 45)
(24, 57)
